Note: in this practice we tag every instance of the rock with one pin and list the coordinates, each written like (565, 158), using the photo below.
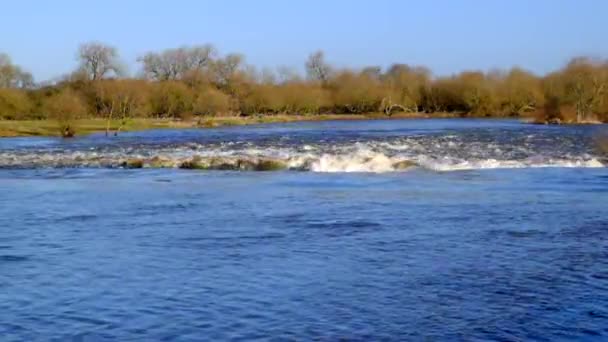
(68, 132)
(133, 164)
(161, 163)
(404, 164)
(239, 164)
(196, 163)
(270, 165)
(246, 165)
(554, 121)
(218, 163)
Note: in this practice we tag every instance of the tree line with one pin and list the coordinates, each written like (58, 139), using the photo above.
(197, 81)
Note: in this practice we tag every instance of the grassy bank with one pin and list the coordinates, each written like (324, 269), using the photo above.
(28, 128)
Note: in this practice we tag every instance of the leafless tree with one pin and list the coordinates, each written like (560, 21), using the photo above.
(586, 83)
(98, 60)
(268, 76)
(288, 74)
(316, 67)
(173, 64)
(373, 72)
(225, 68)
(12, 76)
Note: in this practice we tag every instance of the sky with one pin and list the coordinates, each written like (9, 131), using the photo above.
(446, 35)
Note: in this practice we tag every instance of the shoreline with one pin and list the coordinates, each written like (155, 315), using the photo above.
(49, 128)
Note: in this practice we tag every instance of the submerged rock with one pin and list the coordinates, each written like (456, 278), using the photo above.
(218, 163)
(236, 164)
(133, 164)
(161, 163)
(404, 164)
(196, 163)
(245, 164)
(270, 165)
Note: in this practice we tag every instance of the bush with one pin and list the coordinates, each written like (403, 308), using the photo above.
(171, 98)
(65, 107)
(211, 101)
(14, 104)
(353, 93)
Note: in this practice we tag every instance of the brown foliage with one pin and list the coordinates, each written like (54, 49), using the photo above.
(355, 93)
(211, 101)
(121, 98)
(519, 92)
(194, 81)
(170, 99)
(65, 107)
(14, 104)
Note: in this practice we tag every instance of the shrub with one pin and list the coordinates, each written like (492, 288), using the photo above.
(14, 104)
(65, 107)
(171, 98)
(211, 101)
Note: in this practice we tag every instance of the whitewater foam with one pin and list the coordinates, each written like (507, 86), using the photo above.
(328, 163)
(438, 153)
(453, 165)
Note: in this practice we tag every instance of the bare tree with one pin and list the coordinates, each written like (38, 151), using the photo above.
(174, 64)
(12, 76)
(268, 76)
(373, 72)
(316, 67)
(98, 60)
(586, 83)
(288, 74)
(225, 68)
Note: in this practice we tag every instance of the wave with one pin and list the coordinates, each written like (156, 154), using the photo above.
(442, 152)
(357, 159)
(455, 165)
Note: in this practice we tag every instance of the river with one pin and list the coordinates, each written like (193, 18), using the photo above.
(440, 229)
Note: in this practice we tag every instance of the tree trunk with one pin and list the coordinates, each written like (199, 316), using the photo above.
(110, 115)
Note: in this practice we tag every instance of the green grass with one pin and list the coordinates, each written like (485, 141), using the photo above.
(22, 128)
(25, 128)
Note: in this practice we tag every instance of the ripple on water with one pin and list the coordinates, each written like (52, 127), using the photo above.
(343, 228)
(77, 218)
(14, 258)
(111, 254)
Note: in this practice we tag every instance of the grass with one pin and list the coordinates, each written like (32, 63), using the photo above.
(25, 128)
(28, 128)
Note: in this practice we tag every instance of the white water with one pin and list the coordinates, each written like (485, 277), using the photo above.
(376, 157)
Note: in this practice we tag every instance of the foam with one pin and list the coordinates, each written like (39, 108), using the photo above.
(442, 153)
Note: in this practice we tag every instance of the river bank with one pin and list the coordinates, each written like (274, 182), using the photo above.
(29, 128)
(49, 128)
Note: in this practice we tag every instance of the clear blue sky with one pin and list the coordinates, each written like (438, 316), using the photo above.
(446, 35)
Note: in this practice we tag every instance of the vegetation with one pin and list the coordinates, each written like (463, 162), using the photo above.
(198, 86)
(65, 107)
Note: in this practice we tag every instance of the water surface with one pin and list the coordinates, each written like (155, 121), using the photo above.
(499, 233)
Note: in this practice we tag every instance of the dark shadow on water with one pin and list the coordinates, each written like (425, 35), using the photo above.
(13, 258)
(343, 228)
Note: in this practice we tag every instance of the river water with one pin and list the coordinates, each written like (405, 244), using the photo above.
(366, 230)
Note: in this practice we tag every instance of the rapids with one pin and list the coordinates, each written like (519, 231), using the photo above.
(384, 146)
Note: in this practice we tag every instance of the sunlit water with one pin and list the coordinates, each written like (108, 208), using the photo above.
(500, 232)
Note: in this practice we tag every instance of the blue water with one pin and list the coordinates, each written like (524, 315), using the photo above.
(455, 249)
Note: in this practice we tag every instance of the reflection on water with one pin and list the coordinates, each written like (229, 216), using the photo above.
(161, 254)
